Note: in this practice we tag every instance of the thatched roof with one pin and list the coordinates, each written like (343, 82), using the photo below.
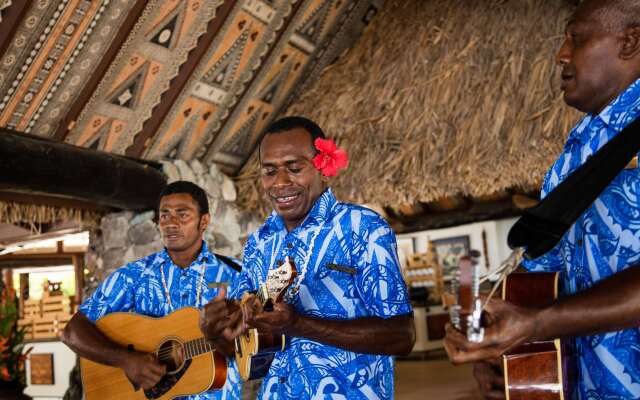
(34, 216)
(442, 98)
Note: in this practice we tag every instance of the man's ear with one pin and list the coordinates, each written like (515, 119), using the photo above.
(204, 221)
(630, 43)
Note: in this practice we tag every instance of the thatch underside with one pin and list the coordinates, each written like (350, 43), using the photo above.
(34, 216)
(442, 98)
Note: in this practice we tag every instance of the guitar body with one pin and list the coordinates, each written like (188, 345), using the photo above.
(204, 371)
(255, 351)
(539, 370)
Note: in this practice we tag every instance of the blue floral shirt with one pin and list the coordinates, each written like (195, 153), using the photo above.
(603, 241)
(137, 287)
(353, 272)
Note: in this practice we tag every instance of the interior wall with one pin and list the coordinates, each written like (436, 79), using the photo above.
(496, 238)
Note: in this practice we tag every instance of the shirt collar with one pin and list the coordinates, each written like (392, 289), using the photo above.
(320, 212)
(204, 257)
(623, 109)
(615, 117)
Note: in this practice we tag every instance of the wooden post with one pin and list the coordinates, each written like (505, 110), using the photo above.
(78, 266)
(24, 292)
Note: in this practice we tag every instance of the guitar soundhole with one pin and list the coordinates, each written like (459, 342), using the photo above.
(167, 382)
(171, 354)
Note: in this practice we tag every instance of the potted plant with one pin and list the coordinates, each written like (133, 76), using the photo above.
(12, 372)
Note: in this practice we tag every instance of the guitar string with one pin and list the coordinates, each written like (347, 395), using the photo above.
(165, 352)
(509, 265)
(183, 345)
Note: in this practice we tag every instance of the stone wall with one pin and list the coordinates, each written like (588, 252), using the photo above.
(125, 236)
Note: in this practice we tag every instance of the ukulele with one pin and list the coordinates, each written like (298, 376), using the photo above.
(254, 351)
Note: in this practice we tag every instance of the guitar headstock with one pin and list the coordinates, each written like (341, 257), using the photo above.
(466, 312)
(279, 279)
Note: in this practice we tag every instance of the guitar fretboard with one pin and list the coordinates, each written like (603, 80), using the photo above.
(196, 347)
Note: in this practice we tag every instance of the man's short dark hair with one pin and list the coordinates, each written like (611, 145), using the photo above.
(616, 15)
(190, 188)
(289, 123)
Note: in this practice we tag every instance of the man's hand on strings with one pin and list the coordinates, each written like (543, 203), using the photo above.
(279, 321)
(221, 321)
(506, 326)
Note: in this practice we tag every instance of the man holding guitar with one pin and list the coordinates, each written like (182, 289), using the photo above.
(347, 310)
(184, 274)
(600, 60)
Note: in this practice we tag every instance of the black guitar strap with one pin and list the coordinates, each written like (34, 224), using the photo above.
(229, 261)
(541, 227)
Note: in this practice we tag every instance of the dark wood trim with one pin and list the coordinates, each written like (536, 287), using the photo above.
(265, 57)
(11, 18)
(44, 262)
(24, 292)
(150, 127)
(78, 266)
(44, 167)
(89, 88)
(40, 256)
(476, 213)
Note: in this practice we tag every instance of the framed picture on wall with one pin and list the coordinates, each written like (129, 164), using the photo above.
(405, 248)
(449, 250)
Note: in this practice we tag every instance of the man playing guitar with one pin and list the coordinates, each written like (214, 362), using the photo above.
(347, 311)
(600, 60)
(184, 274)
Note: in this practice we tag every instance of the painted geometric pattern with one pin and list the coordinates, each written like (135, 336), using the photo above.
(231, 60)
(279, 75)
(254, 59)
(4, 4)
(53, 52)
(156, 48)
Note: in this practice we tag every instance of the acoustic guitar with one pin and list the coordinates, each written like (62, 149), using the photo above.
(193, 366)
(536, 370)
(254, 351)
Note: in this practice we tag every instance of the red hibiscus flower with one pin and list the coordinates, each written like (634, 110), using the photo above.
(330, 158)
(4, 374)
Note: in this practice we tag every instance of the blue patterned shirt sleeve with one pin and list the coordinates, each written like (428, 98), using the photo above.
(380, 283)
(114, 294)
(550, 262)
(242, 282)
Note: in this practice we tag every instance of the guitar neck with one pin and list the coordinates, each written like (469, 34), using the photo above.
(196, 347)
(263, 294)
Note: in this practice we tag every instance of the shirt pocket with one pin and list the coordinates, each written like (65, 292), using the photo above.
(339, 280)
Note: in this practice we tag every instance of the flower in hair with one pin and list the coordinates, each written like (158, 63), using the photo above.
(330, 158)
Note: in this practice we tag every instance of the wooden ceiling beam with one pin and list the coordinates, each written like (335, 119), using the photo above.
(475, 213)
(158, 114)
(50, 200)
(36, 166)
(43, 256)
(66, 123)
(11, 18)
(265, 57)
